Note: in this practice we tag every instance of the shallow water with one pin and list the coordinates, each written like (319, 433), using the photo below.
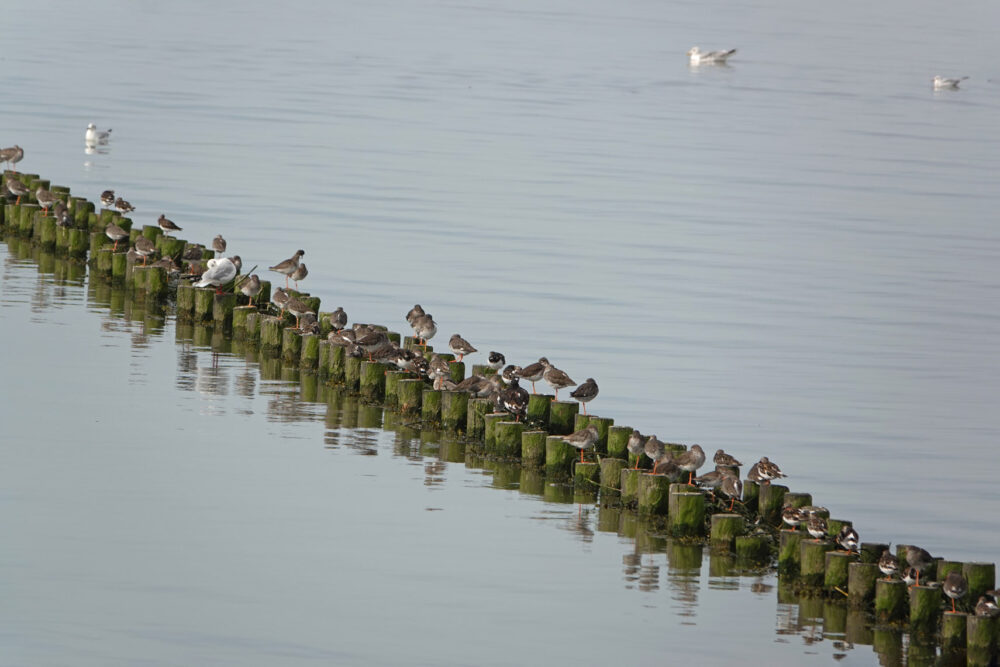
(793, 256)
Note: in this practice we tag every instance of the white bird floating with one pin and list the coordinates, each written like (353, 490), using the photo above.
(95, 137)
(696, 57)
(941, 83)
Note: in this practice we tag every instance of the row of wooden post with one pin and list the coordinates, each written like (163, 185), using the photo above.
(537, 443)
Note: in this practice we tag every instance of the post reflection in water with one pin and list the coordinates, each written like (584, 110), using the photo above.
(230, 378)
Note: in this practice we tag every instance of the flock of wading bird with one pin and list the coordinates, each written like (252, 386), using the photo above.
(502, 387)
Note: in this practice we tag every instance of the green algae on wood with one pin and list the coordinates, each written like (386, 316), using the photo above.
(454, 410)
(559, 456)
(507, 440)
(726, 528)
(611, 472)
(371, 380)
(861, 578)
(533, 448)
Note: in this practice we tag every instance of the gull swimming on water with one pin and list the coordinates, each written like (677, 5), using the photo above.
(941, 83)
(95, 137)
(696, 57)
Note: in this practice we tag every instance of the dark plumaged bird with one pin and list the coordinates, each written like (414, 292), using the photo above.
(848, 538)
(168, 225)
(955, 587)
(123, 206)
(888, 563)
(108, 198)
(460, 346)
(219, 244)
(497, 361)
(585, 393)
(338, 319)
(116, 234)
(918, 559)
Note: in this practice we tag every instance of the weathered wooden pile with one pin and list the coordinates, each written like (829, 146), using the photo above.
(813, 567)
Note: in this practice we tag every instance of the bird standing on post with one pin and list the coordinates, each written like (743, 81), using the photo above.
(585, 393)
(583, 439)
(300, 272)
(461, 347)
(167, 225)
(955, 587)
(556, 378)
(288, 266)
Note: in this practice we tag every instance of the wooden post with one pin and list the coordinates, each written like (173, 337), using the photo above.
(454, 410)
(270, 334)
(797, 499)
(686, 510)
(157, 283)
(490, 421)
(562, 415)
(789, 551)
(891, 600)
(611, 472)
(836, 574)
(981, 636)
(833, 526)
(476, 424)
(410, 394)
(457, 371)
(204, 304)
(752, 547)
(338, 363)
(507, 437)
(586, 475)
(222, 309)
(559, 456)
(771, 502)
(981, 578)
(430, 406)
(618, 440)
(352, 373)
(925, 609)
(240, 320)
(861, 578)
(654, 494)
(533, 448)
(119, 265)
(392, 380)
(372, 380)
(309, 358)
(630, 486)
(78, 243)
(538, 408)
(812, 562)
(185, 302)
(603, 425)
(751, 493)
(291, 346)
(953, 630)
(726, 528)
(872, 551)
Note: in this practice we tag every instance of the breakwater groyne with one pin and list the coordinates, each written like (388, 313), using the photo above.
(755, 529)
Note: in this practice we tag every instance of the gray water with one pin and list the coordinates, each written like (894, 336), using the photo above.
(793, 256)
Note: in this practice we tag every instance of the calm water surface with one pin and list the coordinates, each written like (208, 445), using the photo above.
(175, 504)
(793, 256)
